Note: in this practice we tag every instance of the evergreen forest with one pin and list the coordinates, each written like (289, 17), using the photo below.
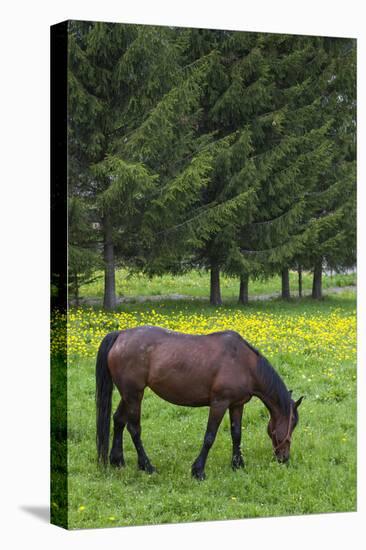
(196, 149)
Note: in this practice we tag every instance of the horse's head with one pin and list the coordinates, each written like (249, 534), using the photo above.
(280, 431)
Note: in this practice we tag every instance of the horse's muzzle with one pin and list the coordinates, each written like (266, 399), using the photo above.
(283, 459)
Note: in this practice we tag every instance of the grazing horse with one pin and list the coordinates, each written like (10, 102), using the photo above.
(219, 370)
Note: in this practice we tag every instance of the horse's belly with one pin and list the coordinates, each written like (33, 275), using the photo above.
(180, 388)
(177, 399)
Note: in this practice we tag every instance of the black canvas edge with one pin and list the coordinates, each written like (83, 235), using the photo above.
(58, 273)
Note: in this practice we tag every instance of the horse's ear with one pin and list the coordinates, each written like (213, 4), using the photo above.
(298, 402)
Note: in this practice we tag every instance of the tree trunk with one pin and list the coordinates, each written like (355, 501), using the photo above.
(77, 302)
(299, 271)
(109, 301)
(215, 293)
(285, 283)
(243, 291)
(317, 280)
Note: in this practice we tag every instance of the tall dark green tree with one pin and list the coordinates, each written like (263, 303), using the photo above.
(227, 194)
(297, 64)
(333, 205)
(300, 155)
(330, 201)
(134, 111)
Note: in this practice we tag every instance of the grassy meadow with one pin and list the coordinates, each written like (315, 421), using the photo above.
(197, 284)
(313, 347)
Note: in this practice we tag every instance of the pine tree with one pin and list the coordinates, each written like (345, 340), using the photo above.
(132, 112)
(298, 156)
(329, 237)
(227, 193)
(297, 149)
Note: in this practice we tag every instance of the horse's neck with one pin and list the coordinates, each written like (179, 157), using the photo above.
(269, 402)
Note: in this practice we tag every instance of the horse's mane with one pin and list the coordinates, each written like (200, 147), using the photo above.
(274, 384)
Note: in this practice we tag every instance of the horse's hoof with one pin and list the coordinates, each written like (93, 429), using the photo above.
(198, 474)
(148, 468)
(237, 463)
(116, 461)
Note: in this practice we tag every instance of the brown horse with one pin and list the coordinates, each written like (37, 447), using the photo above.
(219, 370)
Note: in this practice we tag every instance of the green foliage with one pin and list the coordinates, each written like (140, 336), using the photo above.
(83, 258)
(166, 134)
(126, 185)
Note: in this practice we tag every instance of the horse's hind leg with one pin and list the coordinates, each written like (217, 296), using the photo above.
(134, 427)
(119, 423)
(217, 411)
(236, 414)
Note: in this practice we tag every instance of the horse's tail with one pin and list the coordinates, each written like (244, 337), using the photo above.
(103, 396)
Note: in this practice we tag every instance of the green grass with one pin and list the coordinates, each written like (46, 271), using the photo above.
(197, 284)
(321, 476)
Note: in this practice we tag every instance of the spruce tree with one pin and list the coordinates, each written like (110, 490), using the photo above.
(237, 74)
(329, 238)
(298, 149)
(299, 156)
(132, 112)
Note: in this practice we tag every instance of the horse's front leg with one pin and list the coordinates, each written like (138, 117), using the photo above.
(236, 415)
(217, 411)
